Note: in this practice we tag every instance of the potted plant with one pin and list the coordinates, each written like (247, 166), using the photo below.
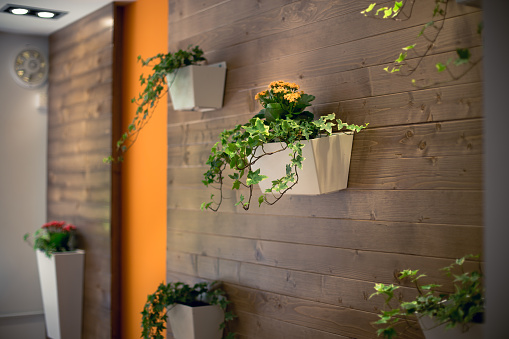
(191, 86)
(283, 130)
(60, 267)
(440, 314)
(195, 312)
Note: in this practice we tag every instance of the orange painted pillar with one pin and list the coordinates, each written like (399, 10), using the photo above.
(143, 234)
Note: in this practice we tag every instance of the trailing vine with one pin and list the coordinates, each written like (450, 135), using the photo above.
(155, 87)
(402, 10)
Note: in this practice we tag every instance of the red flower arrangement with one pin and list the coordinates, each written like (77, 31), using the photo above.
(54, 236)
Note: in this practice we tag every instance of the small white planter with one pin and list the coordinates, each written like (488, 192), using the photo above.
(434, 330)
(200, 322)
(324, 170)
(197, 87)
(61, 278)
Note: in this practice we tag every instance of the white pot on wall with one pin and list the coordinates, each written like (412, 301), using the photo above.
(197, 322)
(197, 87)
(324, 170)
(61, 278)
(434, 330)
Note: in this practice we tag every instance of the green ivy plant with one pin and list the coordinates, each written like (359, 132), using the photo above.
(462, 307)
(282, 119)
(154, 314)
(155, 86)
(399, 12)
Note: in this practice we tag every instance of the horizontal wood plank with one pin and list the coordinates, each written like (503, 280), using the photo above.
(446, 241)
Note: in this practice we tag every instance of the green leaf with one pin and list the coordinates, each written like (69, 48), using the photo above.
(463, 56)
(255, 177)
(401, 58)
(369, 9)
(440, 67)
(409, 47)
(387, 13)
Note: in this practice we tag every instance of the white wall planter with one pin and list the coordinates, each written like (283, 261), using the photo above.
(197, 87)
(434, 330)
(61, 278)
(324, 170)
(199, 322)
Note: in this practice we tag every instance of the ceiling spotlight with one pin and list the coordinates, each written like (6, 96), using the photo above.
(32, 11)
(19, 11)
(46, 15)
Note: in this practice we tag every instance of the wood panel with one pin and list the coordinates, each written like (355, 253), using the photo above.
(305, 267)
(79, 136)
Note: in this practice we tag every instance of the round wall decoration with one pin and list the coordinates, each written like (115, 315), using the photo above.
(30, 68)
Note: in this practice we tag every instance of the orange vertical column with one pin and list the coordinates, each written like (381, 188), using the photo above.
(143, 247)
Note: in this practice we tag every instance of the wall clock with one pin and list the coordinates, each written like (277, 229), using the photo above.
(30, 68)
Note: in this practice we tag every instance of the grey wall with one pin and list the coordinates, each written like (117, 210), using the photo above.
(23, 139)
(496, 162)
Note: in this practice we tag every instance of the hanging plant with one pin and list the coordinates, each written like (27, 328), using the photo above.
(155, 86)
(283, 120)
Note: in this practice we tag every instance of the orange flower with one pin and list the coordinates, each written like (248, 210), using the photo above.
(292, 97)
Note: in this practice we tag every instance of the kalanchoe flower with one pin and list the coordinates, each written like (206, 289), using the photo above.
(69, 228)
(54, 236)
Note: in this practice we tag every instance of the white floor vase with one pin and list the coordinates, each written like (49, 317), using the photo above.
(325, 168)
(200, 322)
(61, 278)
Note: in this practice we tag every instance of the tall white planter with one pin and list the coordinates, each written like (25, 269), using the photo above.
(197, 87)
(434, 330)
(324, 170)
(61, 278)
(199, 322)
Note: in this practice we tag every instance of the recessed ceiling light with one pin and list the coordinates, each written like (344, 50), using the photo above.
(32, 11)
(46, 15)
(19, 11)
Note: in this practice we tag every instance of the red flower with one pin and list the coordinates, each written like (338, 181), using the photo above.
(55, 224)
(69, 227)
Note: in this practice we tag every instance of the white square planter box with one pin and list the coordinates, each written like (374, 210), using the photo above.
(324, 170)
(199, 322)
(433, 330)
(61, 278)
(197, 87)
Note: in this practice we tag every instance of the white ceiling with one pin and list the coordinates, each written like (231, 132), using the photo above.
(36, 26)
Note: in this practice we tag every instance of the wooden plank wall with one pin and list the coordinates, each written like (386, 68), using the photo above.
(305, 267)
(80, 135)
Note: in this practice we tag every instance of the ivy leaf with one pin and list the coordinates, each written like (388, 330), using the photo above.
(387, 13)
(463, 56)
(397, 7)
(369, 9)
(440, 67)
(255, 177)
(401, 58)
(409, 47)
(241, 200)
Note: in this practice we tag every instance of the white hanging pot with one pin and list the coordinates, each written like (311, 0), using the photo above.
(196, 322)
(432, 329)
(61, 278)
(324, 170)
(197, 87)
